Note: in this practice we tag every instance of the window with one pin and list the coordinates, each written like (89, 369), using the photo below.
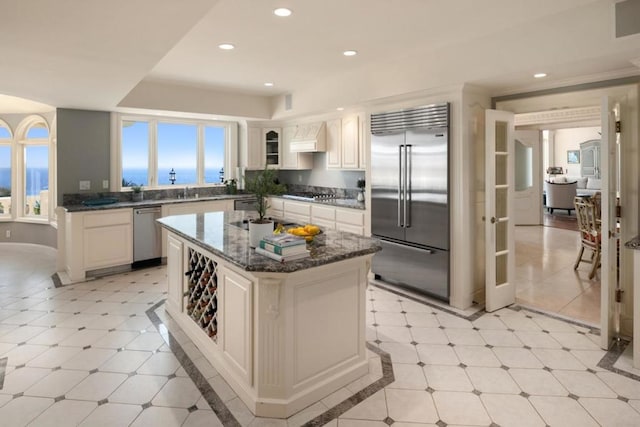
(35, 175)
(135, 153)
(196, 151)
(5, 170)
(177, 151)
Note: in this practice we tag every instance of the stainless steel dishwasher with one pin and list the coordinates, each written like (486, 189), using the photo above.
(147, 236)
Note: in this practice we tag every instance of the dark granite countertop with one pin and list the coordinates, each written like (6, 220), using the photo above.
(152, 203)
(216, 232)
(633, 243)
(340, 203)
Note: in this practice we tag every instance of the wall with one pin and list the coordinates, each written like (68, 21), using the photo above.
(83, 149)
(21, 232)
(321, 176)
(570, 139)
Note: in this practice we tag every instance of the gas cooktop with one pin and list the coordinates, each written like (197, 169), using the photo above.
(309, 196)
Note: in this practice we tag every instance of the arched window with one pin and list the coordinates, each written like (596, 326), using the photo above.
(5, 169)
(33, 178)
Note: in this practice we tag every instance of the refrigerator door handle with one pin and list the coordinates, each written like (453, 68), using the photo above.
(400, 224)
(407, 186)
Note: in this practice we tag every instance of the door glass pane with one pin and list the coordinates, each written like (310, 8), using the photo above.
(5, 179)
(501, 202)
(501, 236)
(524, 166)
(36, 179)
(501, 137)
(135, 153)
(177, 150)
(501, 169)
(501, 269)
(214, 154)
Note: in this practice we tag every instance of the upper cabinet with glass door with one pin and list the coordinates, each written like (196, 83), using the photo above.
(272, 143)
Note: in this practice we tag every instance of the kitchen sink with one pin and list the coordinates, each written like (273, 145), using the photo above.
(100, 202)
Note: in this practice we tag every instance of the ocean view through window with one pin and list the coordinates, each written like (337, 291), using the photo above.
(150, 149)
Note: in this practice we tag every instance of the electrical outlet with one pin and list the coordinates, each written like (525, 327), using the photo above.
(85, 185)
(7, 234)
(299, 177)
(105, 184)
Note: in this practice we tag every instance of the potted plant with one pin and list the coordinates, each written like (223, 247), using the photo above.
(263, 184)
(231, 186)
(361, 185)
(137, 192)
(36, 208)
(1, 208)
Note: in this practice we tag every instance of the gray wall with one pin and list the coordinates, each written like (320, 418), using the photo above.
(320, 176)
(40, 234)
(84, 139)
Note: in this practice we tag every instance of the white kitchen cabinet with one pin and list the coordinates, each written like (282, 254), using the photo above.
(346, 142)
(324, 216)
(334, 144)
(350, 142)
(299, 212)
(350, 220)
(97, 239)
(275, 207)
(291, 160)
(175, 272)
(255, 158)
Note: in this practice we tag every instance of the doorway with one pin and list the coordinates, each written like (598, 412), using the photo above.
(573, 107)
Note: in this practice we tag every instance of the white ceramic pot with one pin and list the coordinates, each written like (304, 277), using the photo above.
(257, 231)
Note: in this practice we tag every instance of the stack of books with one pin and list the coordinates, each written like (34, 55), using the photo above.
(283, 247)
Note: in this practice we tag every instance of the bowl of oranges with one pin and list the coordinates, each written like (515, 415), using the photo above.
(307, 231)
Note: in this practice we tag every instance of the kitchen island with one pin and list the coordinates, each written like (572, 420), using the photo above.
(283, 335)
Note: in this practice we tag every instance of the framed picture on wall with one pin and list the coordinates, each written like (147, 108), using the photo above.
(573, 157)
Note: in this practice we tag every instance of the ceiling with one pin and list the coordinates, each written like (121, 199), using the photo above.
(163, 54)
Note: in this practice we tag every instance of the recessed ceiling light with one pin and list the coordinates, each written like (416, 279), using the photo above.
(282, 11)
(268, 84)
(226, 46)
(340, 108)
(349, 53)
(540, 75)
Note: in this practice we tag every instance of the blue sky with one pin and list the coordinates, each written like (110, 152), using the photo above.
(37, 156)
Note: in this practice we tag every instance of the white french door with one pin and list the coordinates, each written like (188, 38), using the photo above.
(499, 212)
(528, 177)
(610, 235)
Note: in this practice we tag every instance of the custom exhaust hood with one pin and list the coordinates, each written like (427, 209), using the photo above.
(309, 138)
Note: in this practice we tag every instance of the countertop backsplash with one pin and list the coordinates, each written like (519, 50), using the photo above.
(161, 194)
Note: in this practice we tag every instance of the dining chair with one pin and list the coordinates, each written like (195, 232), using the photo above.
(590, 235)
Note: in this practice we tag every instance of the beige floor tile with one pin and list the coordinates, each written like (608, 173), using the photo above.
(562, 411)
(20, 411)
(54, 357)
(477, 356)
(57, 383)
(517, 357)
(21, 379)
(112, 414)
(429, 335)
(537, 382)
(558, 359)
(408, 376)
(177, 393)
(97, 386)
(584, 384)
(125, 361)
(205, 419)
(159, 364)
(159, 416)
(492, 380)
(460, 408)
(500, 338)
(411, 406)
(373, 408)
(624, 386)
(139, 389)
(511, 410)
(64, 413)
(611, 412)
(447, 378)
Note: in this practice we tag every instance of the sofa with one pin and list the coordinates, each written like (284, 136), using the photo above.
(585, 186)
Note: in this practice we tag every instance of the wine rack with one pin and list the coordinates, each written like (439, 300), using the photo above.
(202, 292)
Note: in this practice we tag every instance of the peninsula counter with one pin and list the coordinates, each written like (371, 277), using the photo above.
(283, 335)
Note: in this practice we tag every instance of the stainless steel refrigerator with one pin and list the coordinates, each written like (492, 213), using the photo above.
(409, 198)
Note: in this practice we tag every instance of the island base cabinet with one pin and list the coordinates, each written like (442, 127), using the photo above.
(285, 340)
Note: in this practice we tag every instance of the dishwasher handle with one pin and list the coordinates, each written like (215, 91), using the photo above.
(142, 211)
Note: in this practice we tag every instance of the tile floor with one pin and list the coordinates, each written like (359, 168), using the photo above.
(545, 276)
(104, 352)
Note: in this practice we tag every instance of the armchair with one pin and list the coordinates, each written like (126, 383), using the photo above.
(560, 195)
